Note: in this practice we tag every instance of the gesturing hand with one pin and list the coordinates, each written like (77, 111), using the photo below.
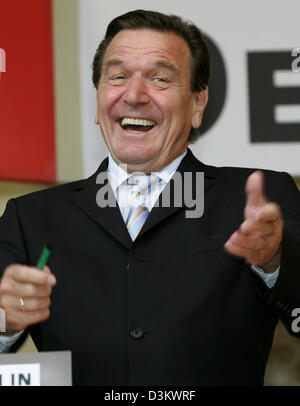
(258, 240)
(25, 295)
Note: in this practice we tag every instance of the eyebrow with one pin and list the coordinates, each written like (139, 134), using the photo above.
(111, 62)
(168, 65)
(160, 62)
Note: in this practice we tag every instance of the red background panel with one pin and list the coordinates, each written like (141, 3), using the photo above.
(27, 138)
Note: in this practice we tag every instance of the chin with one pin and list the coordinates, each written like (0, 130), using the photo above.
(132, 159)
(134, 156)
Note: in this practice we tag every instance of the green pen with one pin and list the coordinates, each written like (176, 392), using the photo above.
(45, 255)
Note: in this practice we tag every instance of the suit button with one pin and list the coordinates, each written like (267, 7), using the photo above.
(127, 267)
(136, 333)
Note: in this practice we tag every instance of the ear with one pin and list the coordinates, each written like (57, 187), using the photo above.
(200, 102)
(97, 113)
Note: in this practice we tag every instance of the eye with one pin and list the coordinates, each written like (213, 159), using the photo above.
(160, 82)
(118, 77)
(159, 79)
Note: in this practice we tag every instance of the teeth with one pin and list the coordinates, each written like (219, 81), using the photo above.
(137, 121)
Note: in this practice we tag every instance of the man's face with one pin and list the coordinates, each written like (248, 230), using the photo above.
(145, 104)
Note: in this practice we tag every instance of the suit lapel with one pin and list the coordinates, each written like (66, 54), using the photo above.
(191, 165)
(110, 218)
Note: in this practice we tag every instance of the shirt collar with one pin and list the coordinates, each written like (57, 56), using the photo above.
(117, 173)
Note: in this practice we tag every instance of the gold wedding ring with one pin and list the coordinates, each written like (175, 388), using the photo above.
(22, 304)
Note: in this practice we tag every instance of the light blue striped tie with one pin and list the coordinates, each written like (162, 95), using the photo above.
(138, 211)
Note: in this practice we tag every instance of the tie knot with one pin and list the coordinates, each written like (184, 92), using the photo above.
(143, 183)
(138, 184)
(138, 190)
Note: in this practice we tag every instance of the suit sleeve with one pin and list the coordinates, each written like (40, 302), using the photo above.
(12, 248)
(284, 297)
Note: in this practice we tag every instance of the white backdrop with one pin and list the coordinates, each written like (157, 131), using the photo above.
(237, 27)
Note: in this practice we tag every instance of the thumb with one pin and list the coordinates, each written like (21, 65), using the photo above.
(51, 278)
(255, 193)
(46, 269)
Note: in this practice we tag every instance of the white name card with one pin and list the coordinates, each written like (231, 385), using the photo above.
(20, 375)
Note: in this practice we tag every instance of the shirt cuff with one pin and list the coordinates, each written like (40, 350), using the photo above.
(2, 321)
(6, 341)
(268, 278)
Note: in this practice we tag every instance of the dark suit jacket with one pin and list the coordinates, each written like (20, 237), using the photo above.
(171, 308)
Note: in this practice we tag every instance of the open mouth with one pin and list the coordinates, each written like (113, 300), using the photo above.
(137, 124)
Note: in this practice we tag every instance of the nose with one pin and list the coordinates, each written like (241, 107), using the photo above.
(136, 92)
